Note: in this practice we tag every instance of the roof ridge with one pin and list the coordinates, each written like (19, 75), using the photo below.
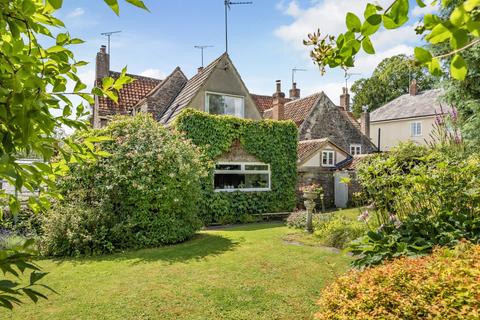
(137, 76)
(158, 86)
(314, 140)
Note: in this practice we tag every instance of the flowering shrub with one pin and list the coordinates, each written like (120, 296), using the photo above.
(298, 219)
(312, 188)
(146, 193)
(423, 198)
(443, 285)
(337, 231)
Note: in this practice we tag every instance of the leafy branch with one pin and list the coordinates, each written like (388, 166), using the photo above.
(461, 32)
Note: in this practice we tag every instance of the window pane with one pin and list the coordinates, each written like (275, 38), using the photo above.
(227, 105)
(228, 167)
(256, 181)
(226, 181)
(216, 104)
(262, 167)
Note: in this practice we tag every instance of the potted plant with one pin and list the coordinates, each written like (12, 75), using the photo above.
(311, 192)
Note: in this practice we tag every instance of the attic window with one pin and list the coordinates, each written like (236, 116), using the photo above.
(216, 103)
(355, 149)
(328, 158)
(242, 176)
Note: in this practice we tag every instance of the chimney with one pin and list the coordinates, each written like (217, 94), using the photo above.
(365, 121)
(413, 88)
(345, 100)
(278, 111)
(102, 67)
(294, 92)
(200, 69)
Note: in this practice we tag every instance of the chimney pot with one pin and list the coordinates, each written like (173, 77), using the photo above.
(365, 122)
(294, 92)
(278, 110)
(102, 63)
(345, 100)
(413, 90)
(200, 69)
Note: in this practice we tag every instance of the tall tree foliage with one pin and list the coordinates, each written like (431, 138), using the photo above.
(464, 95)
(390, 79)
(34, 104)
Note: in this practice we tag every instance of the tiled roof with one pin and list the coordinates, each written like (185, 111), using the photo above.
(263, 102)
(349, 115)
(188, 92)
(425, 103)
(298, 110)
(307, 147)
(129, 95)
(352, 164)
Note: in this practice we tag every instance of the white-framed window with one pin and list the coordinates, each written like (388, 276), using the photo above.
(242, 176)
(355, 149)
(219, 103)
(416, 129)
(328, 158)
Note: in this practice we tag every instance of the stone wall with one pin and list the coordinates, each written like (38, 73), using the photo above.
(168, 91)
(327, 121)
(307, 176)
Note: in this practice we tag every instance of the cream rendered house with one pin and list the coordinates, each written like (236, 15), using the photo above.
(410, 117)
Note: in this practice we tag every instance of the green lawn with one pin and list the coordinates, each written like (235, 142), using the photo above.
(244, 272)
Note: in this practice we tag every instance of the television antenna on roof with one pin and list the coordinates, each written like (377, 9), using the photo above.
(202, 47)
(229, 3)
(348, 76)
(108, 35)
(295, 70)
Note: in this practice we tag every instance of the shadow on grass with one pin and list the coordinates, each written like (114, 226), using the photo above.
(201, 246)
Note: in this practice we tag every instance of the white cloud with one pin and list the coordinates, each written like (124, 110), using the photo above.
(329, 16)
(331, 89)
(77, 12)
(419, 12)
(153, 73)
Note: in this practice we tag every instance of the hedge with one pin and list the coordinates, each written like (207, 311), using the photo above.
(272, 142)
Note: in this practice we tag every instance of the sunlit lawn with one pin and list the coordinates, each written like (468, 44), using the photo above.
(244, 272)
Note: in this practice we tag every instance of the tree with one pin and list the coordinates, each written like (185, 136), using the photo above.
(464, 95)
(390, 79)
(461, 31)
(34, 104)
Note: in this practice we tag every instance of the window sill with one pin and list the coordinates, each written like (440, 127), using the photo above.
(242, 190)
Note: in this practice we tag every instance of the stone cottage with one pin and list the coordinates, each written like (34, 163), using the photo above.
(329, 134)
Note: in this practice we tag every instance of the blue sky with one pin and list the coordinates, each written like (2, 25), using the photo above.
(265, 38)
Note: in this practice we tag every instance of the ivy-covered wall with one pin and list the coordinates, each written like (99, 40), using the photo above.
(272, 142)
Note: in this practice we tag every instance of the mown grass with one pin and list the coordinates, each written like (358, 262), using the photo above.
(243, 272)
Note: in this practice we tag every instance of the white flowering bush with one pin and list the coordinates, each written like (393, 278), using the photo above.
(147, 190)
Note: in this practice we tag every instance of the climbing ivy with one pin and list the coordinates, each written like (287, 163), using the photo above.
(273, 142)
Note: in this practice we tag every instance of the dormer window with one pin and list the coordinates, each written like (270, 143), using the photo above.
(224, 104)
(328, 158)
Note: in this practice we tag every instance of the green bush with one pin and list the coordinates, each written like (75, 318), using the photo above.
(145, 193)
(443, 285)
(272, 142)
(337, 231)
(298, 219)
(423, 198)
(25, 223)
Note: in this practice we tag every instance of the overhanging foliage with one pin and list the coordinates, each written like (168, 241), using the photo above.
(273, 142)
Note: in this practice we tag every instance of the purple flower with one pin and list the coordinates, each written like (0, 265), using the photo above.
(394, 219)
(364, 216)
(453, 114)
(439, 119)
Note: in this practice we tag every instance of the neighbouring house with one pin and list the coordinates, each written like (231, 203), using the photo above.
(328, 134)
(408, 117)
